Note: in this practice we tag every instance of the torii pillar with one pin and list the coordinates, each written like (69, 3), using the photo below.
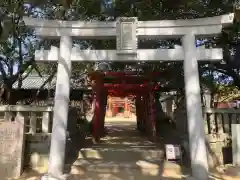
(126, 108)
(98, 116)
(152, 115)
(109, 112)
(197, 143)
(138, 111)
(60, 112)
(103, 104)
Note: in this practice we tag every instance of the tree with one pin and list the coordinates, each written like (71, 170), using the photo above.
(16, 55)
(16, 60)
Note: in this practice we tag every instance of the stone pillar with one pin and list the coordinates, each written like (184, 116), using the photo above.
(33, 123)
(196, 132)
(207, 98)
(169, 107)
(60, 116)
(236, 144)
(46, 122)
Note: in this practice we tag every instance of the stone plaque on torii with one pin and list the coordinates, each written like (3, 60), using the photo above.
(127, 31)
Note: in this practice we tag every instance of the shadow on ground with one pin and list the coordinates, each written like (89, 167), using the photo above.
(123, 154)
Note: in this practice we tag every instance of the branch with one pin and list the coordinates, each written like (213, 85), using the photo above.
(2, 69)
(15, 77)
(27, 74)
(19, 40)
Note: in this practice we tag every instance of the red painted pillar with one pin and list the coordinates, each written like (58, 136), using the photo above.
(95, 119)
(147, 122)
(152, 107)
(143, 110)
(138, 111)
(145, 113)
(126, 108)
(98, 110)
(109, 108)
(115, 109)
(103, 110)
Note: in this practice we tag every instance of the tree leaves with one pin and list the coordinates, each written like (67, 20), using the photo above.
(19, 44)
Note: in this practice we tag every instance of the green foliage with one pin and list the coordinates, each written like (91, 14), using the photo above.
(17, 36)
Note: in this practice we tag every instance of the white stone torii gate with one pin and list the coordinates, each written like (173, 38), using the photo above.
(127, 31)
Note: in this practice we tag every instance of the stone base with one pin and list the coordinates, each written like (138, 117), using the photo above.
(190, 178)
(109, 114)
(193, 178)
(126, 114)
(49, 177)
(232, 170)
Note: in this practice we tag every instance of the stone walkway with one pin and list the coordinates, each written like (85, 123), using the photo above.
(123, 155)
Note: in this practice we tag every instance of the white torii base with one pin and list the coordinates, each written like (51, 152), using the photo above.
(63, 177)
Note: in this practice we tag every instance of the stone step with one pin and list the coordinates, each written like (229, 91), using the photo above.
(121, 154)
(143, 170)
(98, 163)
(123, 149)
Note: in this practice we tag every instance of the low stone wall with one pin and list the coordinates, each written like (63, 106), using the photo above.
(37, 151)
(219, 152)
(218, 132)
(12, 138)
(37, 127)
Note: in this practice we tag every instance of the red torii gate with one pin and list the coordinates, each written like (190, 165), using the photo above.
(124, 84)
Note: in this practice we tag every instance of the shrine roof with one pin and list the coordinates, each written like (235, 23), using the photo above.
(35, 81)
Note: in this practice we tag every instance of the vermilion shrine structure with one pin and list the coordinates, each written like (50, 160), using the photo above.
(124, 84)
(114, 104)
(127, 31)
